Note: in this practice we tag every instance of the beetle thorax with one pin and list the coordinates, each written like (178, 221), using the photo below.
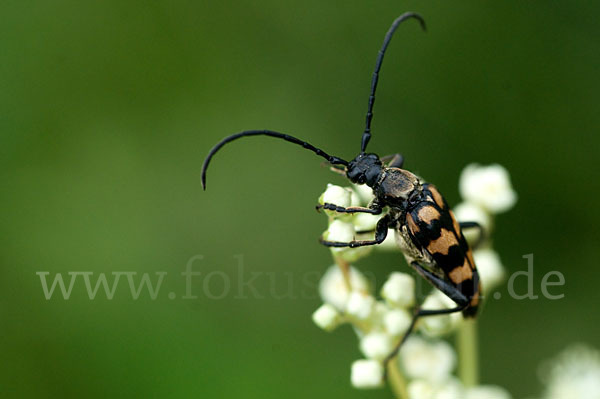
(396, 185)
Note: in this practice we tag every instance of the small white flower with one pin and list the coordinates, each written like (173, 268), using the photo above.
(342, 230)
(471, 212)
(355, 199)
(420, 389)
(333, 289)
(364, 192)
(432, 361)
(390, 243)
(340, 196)
(575, 373)
(327, 317)
(447, 389)
(492, 392)
(375, 321)
(365, 221)
(367, 374)
(491, 271)
(397, 321)
(487, 186)
(376, 345)
(360, 305)
(339, 231)
(399, 290)
(438, 325)
(351, 255)
(450, 389)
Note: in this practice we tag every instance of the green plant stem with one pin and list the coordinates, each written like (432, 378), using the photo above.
(396, 380)
(468, 356)
(345, 268)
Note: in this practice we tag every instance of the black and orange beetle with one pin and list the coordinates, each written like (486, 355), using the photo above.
(427, 231)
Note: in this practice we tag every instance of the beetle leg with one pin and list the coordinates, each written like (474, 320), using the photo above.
(339, 169)
(450, 290)
(418, 313)
(351, 209)
(365, 231)
(381, 232)
(395, 160)
(482, 235)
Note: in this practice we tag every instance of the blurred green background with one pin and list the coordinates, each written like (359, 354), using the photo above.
(108, 109)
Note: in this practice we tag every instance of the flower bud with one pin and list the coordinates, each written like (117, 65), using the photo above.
(431, 361)
(491, 271)
(365, 221)
(487, 186)
(339, 231)
(364, 192)
(390, 243)
(376, 345)
(399, 290)
(450, 388)
(420, 389)
(367, 374)
(438, 325)
(397, 321)
(337, 195)
(360, 305)
(333, 288)
(343, 231)
(471, 212)
(327, 317)
(495, 392)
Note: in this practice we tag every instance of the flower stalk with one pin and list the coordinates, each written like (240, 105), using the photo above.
(468, 356)
(345, 268)
(397, 381)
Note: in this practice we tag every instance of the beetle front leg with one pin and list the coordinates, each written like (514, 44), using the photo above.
(339, 169)
(395, 160)
(376, 210)
(381, 232)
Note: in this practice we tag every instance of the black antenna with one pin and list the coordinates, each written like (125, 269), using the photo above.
(331, 159)
(388, 36)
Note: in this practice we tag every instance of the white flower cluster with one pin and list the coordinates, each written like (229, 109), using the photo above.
(574, 373)
(429, 365)
(380, 324)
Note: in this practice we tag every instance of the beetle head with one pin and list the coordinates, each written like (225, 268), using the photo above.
(364, 169)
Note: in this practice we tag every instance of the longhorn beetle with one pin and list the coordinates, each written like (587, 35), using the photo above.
(425, 227)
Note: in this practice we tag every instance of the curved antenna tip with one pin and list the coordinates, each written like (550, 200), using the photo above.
(421, 21)
(375, 78)
(415, 15)
(331, 159)
(203, 175)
